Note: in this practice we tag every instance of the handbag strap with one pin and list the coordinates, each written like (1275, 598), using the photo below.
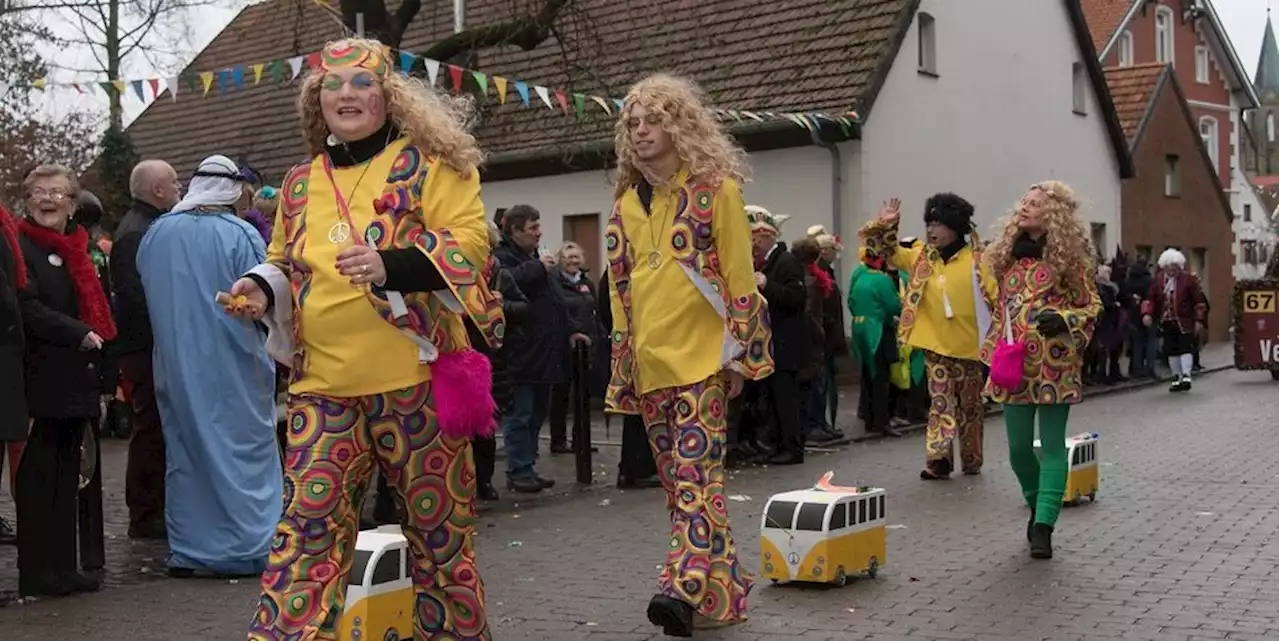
(1009, 305)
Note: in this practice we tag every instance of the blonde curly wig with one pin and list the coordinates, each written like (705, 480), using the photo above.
(434, 122)
(1068, 246)
(703, 145)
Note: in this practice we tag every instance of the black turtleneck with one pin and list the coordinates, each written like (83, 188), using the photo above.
(1025, 246)
(349, 154)
(954, 248)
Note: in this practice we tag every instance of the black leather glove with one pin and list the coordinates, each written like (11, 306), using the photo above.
(1051, 324)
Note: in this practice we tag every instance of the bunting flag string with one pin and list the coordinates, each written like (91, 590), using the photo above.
(572, 104)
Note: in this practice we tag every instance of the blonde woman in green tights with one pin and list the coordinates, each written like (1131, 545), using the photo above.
(1046, 305)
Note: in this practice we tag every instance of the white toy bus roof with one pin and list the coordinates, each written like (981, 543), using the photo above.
(381, 538)
(822, 496)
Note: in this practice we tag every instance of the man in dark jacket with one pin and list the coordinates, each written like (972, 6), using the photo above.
(535, 356)
(1142, 339)
(155, 189)
(780, 277)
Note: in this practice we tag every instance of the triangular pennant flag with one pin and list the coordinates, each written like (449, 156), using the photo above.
(155, 87)
(579, 105)
(500, 84)
(812, 119)
(206, 80)
(137, 88)
(257, 72)
(173, 87)
(119, 85)
(406, 62)
(193, 83)
(752, 116)
(482, 81)
(547, 97)
(798, 119)
(433, 70)
(563, 101)
(295, 63)
(107, 87)
(224, 80)
(603, 105)
(40, 83)
(313, 61)
(276, 68)
(237, 76)
(523, 90)
(737, 117)
(618, 102)
(455, 76)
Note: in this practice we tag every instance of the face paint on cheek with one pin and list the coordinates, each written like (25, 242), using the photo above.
(377, 106)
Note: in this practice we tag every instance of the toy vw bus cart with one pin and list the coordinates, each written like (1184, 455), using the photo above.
(823, 534)
(1082, 475)
(380, 592)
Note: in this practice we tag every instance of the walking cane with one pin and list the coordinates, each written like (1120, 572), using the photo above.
(581, 413)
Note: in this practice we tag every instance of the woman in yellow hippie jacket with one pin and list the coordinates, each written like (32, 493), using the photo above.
(945, 314)
(689, 325)
(376, 257)
(1047, 304)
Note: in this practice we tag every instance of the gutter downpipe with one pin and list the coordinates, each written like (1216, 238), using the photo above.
(837, 191)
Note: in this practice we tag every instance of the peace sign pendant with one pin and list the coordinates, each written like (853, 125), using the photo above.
(339, 233)
(655, 260)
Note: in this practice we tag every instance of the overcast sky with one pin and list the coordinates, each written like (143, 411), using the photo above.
(1244, 21)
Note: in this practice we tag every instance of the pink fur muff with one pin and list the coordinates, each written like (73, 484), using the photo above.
(462, 384)
(1007, 364)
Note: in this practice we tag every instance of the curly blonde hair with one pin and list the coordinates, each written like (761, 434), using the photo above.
(703, 145)
(1068, 246)
(434, 122)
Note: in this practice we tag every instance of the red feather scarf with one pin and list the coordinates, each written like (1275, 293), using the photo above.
(825, 284)
(9, 229)
(73, 248)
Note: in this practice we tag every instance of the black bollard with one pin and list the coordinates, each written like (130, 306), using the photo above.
(581, 397)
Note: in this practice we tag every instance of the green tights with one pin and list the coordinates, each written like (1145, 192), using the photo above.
(1043, 478)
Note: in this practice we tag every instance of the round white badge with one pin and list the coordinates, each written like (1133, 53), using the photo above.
(55, 260)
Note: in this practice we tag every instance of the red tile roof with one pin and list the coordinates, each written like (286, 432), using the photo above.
(802, 55)
(1104, 17)
(1132, 91)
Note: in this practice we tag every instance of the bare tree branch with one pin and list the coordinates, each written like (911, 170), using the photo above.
(526, 32)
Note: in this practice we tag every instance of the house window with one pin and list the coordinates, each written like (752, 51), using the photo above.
(1098, 233)
(1249, 252)
(1164, 34)
(1172, 188)
(1079, 93)
(1271, 127)
(927, 43)
(1209, 135)
(1124, 49)
(1202, 64)
(1248, 213)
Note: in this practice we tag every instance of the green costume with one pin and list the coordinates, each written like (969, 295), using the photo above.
(873, 302)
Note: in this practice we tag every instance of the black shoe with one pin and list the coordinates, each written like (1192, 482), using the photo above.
(44, 585)
(181, 573)
(786, 458)
(817, 439)
(746, 449)
(545, 483)
(525, 485)
(149, 530)
(629, 483)
(1041, 541)
(486, 492)
(890, 430)
(561, 448)
(8, 536)
(675, 617)
(81, 583)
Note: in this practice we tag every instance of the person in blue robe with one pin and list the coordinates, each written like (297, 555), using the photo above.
(215, 383)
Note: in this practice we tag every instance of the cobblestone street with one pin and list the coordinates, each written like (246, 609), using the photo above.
(1181, 545)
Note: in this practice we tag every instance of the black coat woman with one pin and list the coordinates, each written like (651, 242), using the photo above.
(578, 296)
(67, 320)
(13, 398)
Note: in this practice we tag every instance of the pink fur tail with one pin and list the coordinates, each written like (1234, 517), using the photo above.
(462, 383)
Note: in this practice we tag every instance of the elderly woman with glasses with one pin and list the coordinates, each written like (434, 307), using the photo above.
(67, 319)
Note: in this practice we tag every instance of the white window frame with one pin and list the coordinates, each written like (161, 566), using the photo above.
(1164, 35)
(1271, 127)
(1079, 89)
(1210, 138)
(926, 44)
(1124, 49)
(1172, 178)
(1202, 64)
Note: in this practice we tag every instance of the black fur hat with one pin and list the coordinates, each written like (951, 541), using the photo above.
(88, 210)
(950, 210)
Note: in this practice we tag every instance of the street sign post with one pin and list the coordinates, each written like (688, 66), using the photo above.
(1257, 330)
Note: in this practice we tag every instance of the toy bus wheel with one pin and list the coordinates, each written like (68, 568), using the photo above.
(873, 567)
(1093, 496)
(841, 578)
(391, 635)
(1075, 498)
(1275, 374)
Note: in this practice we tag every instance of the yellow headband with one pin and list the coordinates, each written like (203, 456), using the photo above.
(356, 53)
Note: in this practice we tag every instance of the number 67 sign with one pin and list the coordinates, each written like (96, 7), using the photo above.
(1256, 329)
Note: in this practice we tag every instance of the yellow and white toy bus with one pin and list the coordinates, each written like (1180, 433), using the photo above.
(380, 595)
(1082, 475)
(823, 534)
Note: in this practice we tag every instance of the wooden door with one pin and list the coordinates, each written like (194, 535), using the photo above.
(584, 229)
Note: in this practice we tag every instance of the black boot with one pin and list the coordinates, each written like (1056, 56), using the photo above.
(675, 617)
(524, 485)
(1041, 541)
(486, 492)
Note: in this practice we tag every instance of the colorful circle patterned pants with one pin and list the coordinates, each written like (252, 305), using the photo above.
(333, 444)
